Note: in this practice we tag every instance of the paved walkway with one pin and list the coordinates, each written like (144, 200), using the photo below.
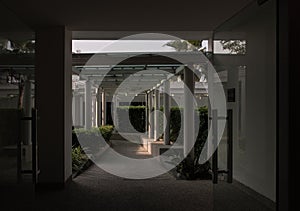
(130, 149)
(96, 189)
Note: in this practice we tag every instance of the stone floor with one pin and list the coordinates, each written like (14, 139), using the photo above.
(96, 189)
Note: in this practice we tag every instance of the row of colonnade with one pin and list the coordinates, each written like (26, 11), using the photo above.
(89, 106)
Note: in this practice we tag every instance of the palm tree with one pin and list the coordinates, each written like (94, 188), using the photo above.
(184, 45)
(234, 46)
(27, 46)
(188, 46)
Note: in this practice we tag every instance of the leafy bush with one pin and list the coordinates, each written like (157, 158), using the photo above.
(137, 117)
(202, 133)
(79, 158)
(191, 169)
(106, 132)
(175, 123)
(91, 132)
(89, 139)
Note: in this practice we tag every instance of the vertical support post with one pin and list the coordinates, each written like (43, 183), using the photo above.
(81, 111)
(73, 107)
(167, 112)
(156, 115)
(27, 112)
(113, 109)
(116, 106)
(54, 42)
(103, 110)
(151, 117)
(146, 112)
(99, 115)
(210, 83)
(229, 146)
(215, 140)
(188, 117)
(88, 104)
(77, 109)
(94, 118)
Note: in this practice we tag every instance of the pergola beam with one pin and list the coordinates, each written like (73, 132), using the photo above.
(108, 72)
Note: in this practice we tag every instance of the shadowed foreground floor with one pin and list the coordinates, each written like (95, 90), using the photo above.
(96, 189)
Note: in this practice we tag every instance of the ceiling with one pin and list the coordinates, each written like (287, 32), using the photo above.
(130, 15)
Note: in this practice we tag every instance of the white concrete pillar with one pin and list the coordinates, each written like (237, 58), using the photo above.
(167, 101)
(113, 109)
(188, 116)
(27, 102)
(99, 99)
(54, 104)
(151, 117)
(94, 111)
(103, 110)
(156, 116)
(77, 109)
(73, 108)
(115, 106)
(81, 110)
(88, 104)
(210, 83)
(146, 112)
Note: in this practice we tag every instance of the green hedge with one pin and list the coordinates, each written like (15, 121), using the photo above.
(91, 139)
(106, 132)
(137, 117)
(175, 122)
(176, 118)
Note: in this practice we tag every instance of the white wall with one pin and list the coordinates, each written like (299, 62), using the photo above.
(255, 162)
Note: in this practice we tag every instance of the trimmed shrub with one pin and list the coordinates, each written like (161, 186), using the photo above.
(89, 140)
(175, 122)
(106, 132)
(79, 158)
(137, 116)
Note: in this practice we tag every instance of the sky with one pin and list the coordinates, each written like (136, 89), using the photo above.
(97, 46)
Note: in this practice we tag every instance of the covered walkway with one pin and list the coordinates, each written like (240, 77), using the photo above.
(96, 189)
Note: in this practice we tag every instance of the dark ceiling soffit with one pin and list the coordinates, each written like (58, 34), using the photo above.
(83, 59)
